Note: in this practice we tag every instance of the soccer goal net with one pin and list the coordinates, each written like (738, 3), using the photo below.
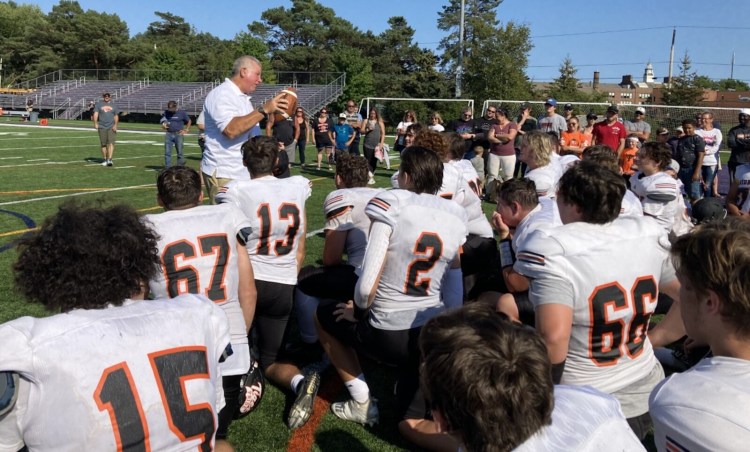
(393, 109)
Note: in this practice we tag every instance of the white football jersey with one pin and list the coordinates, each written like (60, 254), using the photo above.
(276, 210)
(631, 205)
(345, 211)
(143, 374)
(453, 173)
(428, 232)
(545, 178)
(609, 275)
(703, 408)
(660, 196)
(470, 175)
(198, 248)
(544, 216)
(742, 176)
(583, 419)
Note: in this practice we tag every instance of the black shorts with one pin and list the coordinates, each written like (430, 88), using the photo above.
(272, 311)
(399, 348)
(231, 384)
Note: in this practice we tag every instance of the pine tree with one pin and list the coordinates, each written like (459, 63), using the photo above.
(682, 90)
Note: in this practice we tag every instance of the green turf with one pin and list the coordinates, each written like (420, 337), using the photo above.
(40, 167)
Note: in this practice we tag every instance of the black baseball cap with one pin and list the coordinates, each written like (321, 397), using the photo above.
(592, 115)
(568, 107)
(613, 109)
(524, 106)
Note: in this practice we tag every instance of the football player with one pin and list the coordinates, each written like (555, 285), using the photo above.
(276, 210)
(346, 229)
(202, 250)
(705, 408)
(489, 384)
(603, 155)
(113, 364)
(414, 239)
(594, 283)
(519, 211)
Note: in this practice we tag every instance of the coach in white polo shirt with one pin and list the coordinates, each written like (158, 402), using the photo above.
(230, 120)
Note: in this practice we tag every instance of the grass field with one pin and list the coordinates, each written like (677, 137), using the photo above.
(41, 167)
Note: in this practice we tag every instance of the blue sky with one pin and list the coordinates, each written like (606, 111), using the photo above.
(612, 37)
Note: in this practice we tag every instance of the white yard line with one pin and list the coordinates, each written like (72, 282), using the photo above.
(46, 198)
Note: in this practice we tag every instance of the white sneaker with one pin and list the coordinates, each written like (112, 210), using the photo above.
(371, 181)
(105, 163)
(365, 413)
(109, 162)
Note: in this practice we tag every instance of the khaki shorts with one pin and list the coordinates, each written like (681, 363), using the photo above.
(213, 184)
(106, 136)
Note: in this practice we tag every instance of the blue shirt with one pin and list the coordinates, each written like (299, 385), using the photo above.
(176, 120)
(343, 133)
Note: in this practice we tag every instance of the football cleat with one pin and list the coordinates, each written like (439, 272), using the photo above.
(252, 385)
(365, 413)
(302, 408)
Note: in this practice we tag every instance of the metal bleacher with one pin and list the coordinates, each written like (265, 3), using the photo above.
(69, 99)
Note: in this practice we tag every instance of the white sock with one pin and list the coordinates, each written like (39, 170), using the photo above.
(358, 389)
(296, 380)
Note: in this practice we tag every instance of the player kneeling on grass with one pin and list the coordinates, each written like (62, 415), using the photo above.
(202, 251)
(594, 284)
(276, 210)
(705, 408)
(108, 373)
(414, 239)
(346, 228)
(489, 385)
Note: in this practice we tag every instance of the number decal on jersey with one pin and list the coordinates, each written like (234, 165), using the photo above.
(287, 211)
(430, 246)
(117, 394)
(185, 278)
(611, 335)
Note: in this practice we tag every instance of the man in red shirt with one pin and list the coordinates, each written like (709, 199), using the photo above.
(611, 132)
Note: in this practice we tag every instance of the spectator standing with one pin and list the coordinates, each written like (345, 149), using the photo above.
(302, 132)
(501, 161)
(343, 133)
(436, 122)
(177, 124)
(230, 121)
(409, 118)
(628, 166)
(568, 112)
(284, 132)
(738, 140)
(323, 136)
(690, 151)
(712, 137)
(526, 123)
(551, 121)
(106, 117)
(466, 127)
(588, 129)
(374, 132)
(611, 132)
(638, 126)
(354, 119)
(573, 141)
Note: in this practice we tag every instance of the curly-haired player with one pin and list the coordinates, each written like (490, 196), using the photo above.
(110, 353)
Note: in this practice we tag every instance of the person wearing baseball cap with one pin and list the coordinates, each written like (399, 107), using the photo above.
(611, 132)
(551, 121)
(568, 110)
(638, 126)
(738, 140)
(344, 134)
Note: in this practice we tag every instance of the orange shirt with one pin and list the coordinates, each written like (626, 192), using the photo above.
(577, 139)
(626, 160)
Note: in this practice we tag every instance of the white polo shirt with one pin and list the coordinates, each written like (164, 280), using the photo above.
(224, 155)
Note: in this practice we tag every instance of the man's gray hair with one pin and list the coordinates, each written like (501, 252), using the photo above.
(241, 62)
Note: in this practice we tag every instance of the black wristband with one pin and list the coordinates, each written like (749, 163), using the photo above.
(557, 371)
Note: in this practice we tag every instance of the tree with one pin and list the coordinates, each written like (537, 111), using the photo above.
(22, 58)
(565, 87)
(495, 56)
(682, 90)
(725, 84)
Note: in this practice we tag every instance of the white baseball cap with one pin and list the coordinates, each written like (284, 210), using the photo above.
(641, 110)
(745, 111)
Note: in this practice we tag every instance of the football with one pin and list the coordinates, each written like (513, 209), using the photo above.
(291, 96)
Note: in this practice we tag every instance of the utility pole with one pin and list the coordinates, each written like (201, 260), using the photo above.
(460, 68)
(671, 56)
